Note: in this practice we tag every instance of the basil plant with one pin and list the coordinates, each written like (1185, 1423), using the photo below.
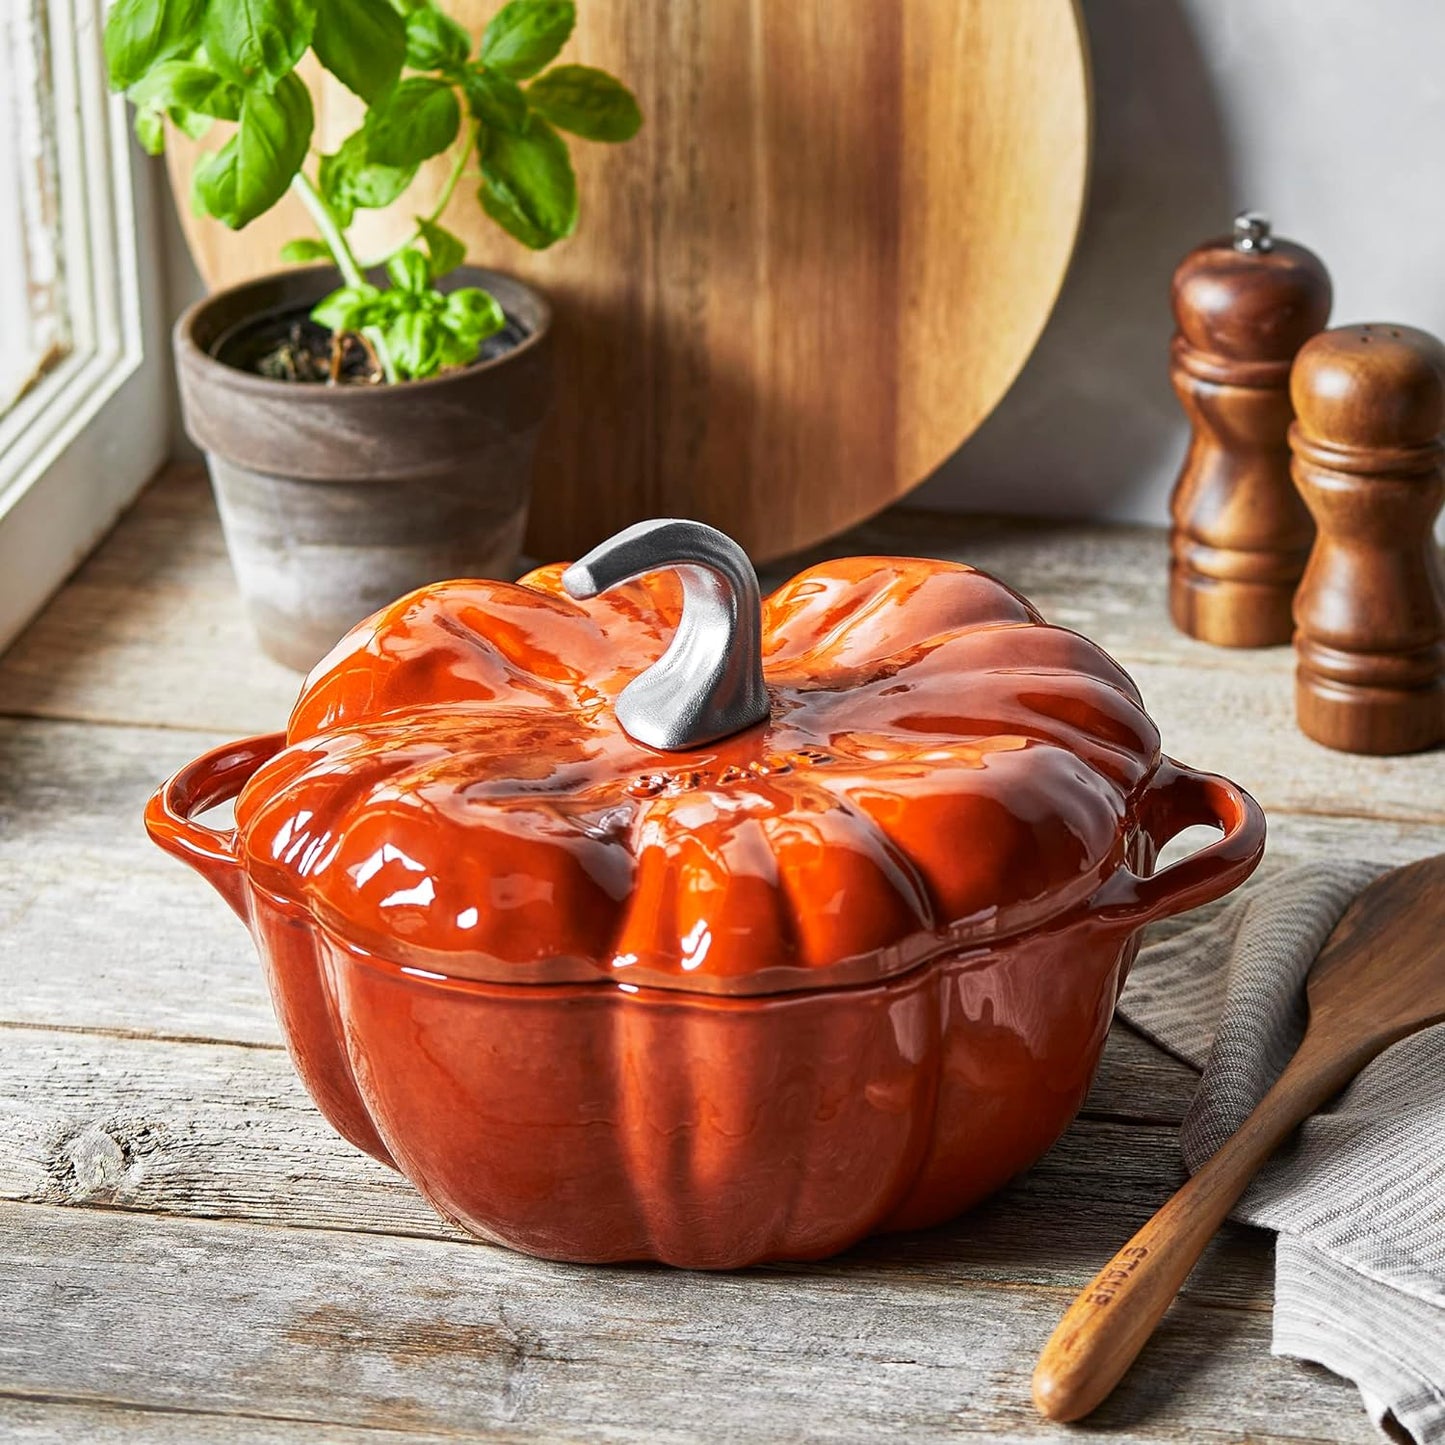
(500, 110)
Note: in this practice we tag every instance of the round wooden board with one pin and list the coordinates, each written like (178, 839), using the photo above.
(811, 276)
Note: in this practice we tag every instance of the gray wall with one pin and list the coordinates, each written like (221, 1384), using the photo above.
(1327, 114)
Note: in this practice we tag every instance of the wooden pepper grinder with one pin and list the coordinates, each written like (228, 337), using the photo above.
(1243, 307)
(1369, 462)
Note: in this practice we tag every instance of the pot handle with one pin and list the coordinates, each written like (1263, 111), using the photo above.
(1180, 798)
(212, 778)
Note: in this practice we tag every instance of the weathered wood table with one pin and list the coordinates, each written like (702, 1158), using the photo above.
(188, 1254)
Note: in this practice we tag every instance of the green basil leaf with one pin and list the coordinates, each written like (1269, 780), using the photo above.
(525, 35)
(362, 43)
(188, 85)
(529, 189)
(250, 173)
(408, 270)
(213, 184)
(138, 33)
(454, 350)
(349, 182)
(334, 184)
(435, 41)
(506, 211)
(190, 122)
(446, 251)
(588, 102)
(347, 309)
(256, 42)
(150, 131)
(414, 342)
(419, 118)
(472, 315)
(373, 186)
(306, 248)
(495, 101)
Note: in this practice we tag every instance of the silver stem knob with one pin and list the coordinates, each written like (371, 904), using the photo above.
(709, 682)
(1251, 232)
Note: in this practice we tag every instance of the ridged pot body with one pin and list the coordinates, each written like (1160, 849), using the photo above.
(594, 1123)
(335, 500)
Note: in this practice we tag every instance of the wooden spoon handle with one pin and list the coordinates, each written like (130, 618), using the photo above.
(1109, 1323)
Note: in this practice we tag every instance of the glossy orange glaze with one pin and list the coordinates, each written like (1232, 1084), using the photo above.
(849, 970)
(939, 767)
(575, 1121)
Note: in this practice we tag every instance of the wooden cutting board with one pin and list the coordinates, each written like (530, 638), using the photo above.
(811, 276)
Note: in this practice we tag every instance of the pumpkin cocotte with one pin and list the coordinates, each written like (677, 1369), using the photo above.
(848, 969)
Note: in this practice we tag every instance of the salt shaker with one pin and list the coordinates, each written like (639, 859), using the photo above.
(1243, 306)
(1370, 612)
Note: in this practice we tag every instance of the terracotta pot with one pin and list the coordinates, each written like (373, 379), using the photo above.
(334, 500)
(847, 968)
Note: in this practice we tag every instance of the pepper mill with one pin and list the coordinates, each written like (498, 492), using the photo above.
(1370, 612)
(1243, 305)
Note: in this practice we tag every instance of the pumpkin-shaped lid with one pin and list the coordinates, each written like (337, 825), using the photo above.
(911, 762)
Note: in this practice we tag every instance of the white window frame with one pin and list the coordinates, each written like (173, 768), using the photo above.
(81, 443)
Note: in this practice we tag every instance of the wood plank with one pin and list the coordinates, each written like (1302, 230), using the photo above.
(100, 930)
(150, 630)
(424, 1335)
(25, 1421)
(1242, 724)
(150, 633)
(31, 1421)
(68, 786)
(221, 1132)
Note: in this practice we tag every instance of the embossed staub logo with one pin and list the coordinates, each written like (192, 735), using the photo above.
(1106, 1288)
(669, 782)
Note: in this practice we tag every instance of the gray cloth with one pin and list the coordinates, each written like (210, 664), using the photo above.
(1357, 1195)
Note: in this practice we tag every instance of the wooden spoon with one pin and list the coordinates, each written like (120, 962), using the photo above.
(1380, 977)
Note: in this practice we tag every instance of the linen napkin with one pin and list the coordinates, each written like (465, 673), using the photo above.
(1357, 1196)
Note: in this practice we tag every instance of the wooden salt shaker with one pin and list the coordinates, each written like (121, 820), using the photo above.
(1243, 305)
(1370, 612)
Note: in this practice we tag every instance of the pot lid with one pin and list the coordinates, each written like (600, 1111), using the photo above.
(932, 767)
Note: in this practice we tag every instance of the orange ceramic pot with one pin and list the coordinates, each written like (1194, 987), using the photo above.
(847, 969)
